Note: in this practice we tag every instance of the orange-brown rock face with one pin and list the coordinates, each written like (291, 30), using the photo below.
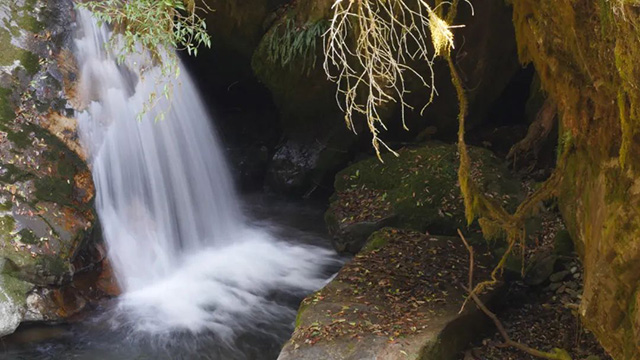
(586, 54)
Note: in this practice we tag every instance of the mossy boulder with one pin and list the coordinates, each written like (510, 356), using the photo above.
(417, 190)
(46, 190)
(289, 61)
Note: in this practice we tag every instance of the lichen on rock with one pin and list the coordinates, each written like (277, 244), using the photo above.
(45, 186)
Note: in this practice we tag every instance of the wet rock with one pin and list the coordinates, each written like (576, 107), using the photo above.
(554, 286)
(46, 190)
(12, 303)
(289, 60)
(541, 268)
(559, 276)
(562, 243)
(351, 237)
(300, 168)
(107, 282)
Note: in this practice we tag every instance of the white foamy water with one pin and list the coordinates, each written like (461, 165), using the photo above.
(180, 247)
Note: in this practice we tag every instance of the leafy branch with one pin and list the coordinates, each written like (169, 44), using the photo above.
(153, 28)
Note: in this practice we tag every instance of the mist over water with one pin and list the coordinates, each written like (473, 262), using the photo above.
(185, 256)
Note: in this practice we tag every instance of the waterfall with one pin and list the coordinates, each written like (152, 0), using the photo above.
(182, 252)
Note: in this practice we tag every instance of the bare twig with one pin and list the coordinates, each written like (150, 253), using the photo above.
(471, 266)
(555, 354)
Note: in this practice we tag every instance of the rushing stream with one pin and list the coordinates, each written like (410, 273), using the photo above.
(199, 279)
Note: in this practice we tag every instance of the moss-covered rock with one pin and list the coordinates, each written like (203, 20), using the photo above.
(418, 189)
(46, 189)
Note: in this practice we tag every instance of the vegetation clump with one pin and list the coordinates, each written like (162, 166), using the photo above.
(289, 45)
(154, 27)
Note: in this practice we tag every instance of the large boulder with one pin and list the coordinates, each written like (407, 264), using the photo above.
(46, 190)
(289, 62)
(417, 190)
(586, 53)
(400, 298)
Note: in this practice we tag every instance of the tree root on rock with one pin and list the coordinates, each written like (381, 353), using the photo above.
(555, 354)
(536, 134)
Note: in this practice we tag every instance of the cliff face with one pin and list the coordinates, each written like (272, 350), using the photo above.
(46, 190)
(586, 53)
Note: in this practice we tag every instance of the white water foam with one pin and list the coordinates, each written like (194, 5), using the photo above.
(182, 252)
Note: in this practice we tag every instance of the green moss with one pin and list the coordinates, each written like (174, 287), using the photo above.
(562, 243)
(7, 113)
(31, 62)
(6, 206)
(20, 138)
(29, 23)
(53, 189)
(14, 290)
(11, 53)
(377, 240)
(7, 225)
(422, 185)
(304, 305)
(58, 187)
(10, 174)
(53, 264)
(28, 237)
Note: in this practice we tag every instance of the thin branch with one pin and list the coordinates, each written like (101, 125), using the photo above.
(555, 354)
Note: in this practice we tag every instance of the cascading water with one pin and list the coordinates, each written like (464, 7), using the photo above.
(183, 253)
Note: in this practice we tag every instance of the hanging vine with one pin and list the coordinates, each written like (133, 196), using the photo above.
(375, 67)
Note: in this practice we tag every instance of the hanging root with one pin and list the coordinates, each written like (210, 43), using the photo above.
(538, 131)
(368, 49)
(555, 354)
(495, 219)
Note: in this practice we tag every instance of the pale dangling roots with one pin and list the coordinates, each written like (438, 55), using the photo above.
(371, 72)
(368, 49)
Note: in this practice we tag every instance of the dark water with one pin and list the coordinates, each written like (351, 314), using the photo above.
(102, 336)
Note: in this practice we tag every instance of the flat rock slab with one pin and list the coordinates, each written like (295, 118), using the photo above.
(401, 300)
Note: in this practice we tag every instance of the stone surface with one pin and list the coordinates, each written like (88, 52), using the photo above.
(419, 190)
(46, 190)
(540, 269)
(400, 300)
(586, 54)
